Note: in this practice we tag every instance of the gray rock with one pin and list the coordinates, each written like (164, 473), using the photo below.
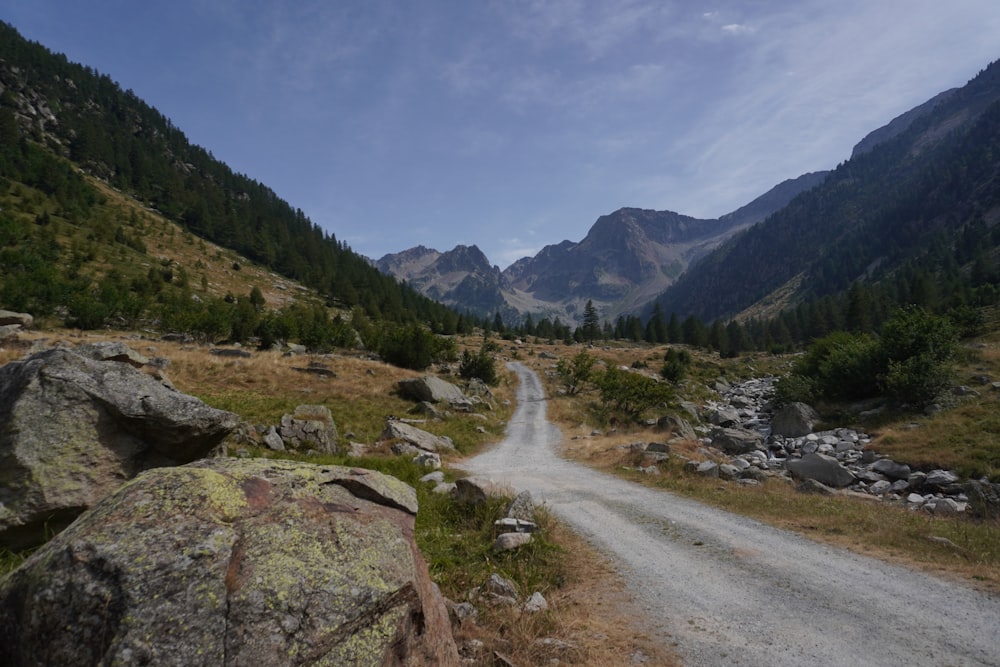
(535, 603)
(679, 426)
(736, 440)
(272, 440)
(435, 477)
(940, 478)
(521, 507)
(397, 430)
(899, 486)
(794, 420)
(946, 506)
(75, 429)
(722, 416)
(10, 318)
(707, 469)
(310, 427)
(891, 469)
(824, 469)
(230, 352)
(915, 499)
(729, 471)
(497, 585)
(880, 488)
(476, 490)
(984, 499)
(112, 351)
(244, 559)
(432, 389)
(511, 541)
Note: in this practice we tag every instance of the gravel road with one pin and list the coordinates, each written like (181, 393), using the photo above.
(731, 591)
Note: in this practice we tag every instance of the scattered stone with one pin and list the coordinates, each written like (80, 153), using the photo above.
(521, 507)
(891, 469)
(511, 541)
(476, 490)
(707, 469)
(272, 440)
(536, 603)
(501, 586)
(435, 477)
(398, 430)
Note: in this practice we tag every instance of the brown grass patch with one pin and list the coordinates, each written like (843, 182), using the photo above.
(591, 620)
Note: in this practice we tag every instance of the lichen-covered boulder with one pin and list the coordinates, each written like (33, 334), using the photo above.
(232, 562)
(73, 429)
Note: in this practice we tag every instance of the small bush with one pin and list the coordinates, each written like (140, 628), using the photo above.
(480, 366)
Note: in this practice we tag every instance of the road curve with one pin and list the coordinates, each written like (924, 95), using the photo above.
(732, 591)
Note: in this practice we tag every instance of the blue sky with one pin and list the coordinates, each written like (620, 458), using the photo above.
(513, 124)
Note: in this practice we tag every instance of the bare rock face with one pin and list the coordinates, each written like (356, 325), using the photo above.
(233, 562)
(73, 429)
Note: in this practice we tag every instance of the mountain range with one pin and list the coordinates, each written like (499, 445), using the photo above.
(776, 251)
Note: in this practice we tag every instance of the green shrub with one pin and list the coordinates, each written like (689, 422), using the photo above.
(675, 365)
(628, 394)
(576, 372)
(480, 366)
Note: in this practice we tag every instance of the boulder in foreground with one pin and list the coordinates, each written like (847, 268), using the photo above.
(233, 562)
(73, 429)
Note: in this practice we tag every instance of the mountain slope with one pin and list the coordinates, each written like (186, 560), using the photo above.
(625, 260)
(53, 111)
(933, 179)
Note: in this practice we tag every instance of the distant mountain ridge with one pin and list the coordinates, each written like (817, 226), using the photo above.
(626, 259)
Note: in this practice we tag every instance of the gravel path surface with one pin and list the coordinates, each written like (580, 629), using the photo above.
(732, 591)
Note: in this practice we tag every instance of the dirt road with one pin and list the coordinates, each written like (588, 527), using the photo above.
(732, 591)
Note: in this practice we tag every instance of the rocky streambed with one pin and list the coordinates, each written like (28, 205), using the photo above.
(748, 440)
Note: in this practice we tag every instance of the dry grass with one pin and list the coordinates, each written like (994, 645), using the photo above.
(591, 620)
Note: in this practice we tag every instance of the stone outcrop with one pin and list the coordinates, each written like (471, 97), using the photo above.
(74, 429)
(233, 562)
(434, 390)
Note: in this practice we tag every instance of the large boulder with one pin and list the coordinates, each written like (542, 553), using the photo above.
(824, 469)
(233, 562)
(402, 432)
(794, 420)
(433, 389)
(72, 429)
(737, 440)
